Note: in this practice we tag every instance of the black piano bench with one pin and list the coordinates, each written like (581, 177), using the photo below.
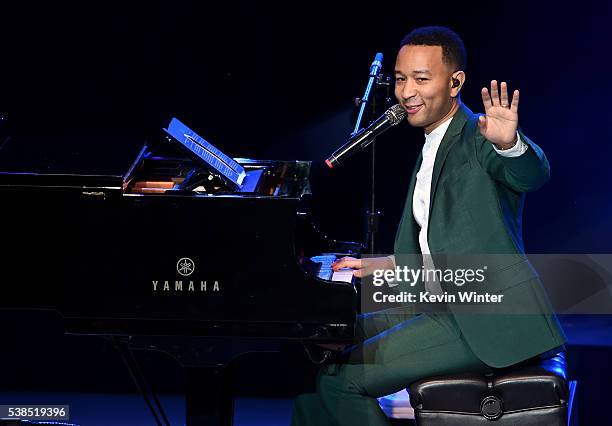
(532, 393)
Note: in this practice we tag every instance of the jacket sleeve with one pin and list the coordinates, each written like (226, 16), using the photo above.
(524, 173)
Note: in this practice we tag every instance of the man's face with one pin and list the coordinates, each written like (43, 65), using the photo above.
(423, 84)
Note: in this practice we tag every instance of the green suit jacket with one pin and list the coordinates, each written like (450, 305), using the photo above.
(476, 204)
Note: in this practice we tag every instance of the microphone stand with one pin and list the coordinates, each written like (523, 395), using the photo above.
(373, 214)
(375, 72)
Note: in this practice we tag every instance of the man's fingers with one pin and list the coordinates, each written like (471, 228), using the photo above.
(494, 93)
(504, 95)
(482, 122)
(486, 98)
(346, 263)
(342, 259)
(359, 273)
(515, 101)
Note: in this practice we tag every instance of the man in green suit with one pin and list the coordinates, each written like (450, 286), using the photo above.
(466, 196)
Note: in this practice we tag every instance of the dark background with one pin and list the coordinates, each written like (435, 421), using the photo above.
(83, 83)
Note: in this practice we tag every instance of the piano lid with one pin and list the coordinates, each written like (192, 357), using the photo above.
(90, 160)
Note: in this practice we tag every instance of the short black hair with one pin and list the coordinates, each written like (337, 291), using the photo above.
(453, 50)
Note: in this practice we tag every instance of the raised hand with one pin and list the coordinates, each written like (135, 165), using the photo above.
(500, 121)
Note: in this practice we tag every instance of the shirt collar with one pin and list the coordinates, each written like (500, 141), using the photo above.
(439, 131)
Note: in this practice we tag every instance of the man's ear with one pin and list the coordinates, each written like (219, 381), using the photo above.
(457, 80)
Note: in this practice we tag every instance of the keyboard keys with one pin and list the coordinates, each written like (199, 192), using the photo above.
(327, 273)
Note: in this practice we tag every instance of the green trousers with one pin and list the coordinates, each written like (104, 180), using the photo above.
(396, 349)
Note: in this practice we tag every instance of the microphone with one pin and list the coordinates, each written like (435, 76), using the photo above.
(392, 117)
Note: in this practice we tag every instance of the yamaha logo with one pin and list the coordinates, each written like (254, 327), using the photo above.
(185, 266)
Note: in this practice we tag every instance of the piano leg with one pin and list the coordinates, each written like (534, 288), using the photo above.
(208, 397)
(156, 409)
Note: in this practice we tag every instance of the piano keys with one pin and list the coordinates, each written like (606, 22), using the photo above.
(326, 272)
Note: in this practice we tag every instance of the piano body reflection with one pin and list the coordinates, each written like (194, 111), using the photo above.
(171, 255)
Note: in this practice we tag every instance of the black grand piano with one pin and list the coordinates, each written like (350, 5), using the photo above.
(185, 250)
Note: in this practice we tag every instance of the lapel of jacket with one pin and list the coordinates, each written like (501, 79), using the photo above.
(413, 178)
(451, 136)
(406, 240)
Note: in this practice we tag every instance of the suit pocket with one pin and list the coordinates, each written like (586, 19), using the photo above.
(506, 271)
(524, 299)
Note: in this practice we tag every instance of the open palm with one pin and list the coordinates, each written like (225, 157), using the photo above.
(500, 122)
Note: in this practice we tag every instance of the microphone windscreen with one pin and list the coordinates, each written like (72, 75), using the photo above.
(396, 114)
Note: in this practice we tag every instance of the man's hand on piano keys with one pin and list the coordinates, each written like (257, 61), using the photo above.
(363, 267)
